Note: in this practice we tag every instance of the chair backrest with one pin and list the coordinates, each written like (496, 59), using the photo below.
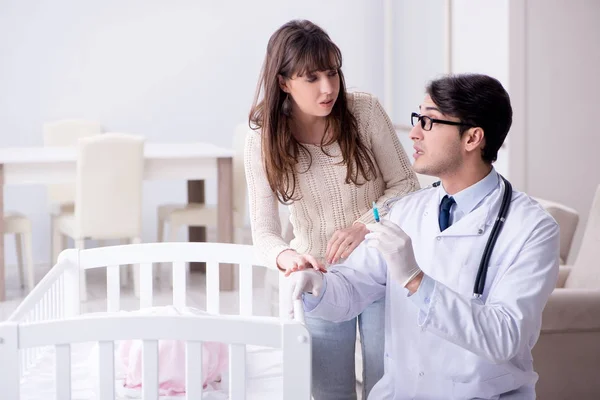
(585, 273)
(108, 201)
(567, 219)
(240, 204)
(66, 132)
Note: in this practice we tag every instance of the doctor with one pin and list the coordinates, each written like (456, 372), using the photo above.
(441, 341)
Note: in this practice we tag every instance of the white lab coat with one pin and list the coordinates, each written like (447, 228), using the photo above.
(462, 347)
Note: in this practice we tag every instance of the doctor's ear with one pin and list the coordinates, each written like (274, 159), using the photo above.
(283, 83)
(474, 138)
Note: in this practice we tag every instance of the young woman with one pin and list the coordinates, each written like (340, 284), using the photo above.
(329, 155)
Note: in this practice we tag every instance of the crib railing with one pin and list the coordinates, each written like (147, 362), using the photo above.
(51, 299)
(50, 316)
(143, 256)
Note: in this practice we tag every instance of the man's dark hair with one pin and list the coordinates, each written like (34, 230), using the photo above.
(477, 100)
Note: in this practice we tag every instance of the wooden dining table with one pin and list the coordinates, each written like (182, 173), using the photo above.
(191, 162)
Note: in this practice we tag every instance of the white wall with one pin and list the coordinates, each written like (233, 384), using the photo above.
(418, 57)
(418, 53)
(546, 54)
(561, 65)
(173, 71)
(480, 37)
(480, 45)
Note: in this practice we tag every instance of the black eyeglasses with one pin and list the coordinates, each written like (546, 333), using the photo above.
(427, 122)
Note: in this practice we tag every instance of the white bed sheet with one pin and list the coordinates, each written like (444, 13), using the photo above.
(264, 377)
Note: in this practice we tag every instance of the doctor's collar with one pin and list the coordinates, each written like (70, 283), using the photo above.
(469, 198)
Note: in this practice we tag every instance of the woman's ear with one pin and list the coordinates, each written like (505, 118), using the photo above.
(283, 83)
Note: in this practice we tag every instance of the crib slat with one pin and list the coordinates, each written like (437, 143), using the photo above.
(23, 362)
(245, 289)
(113, 288)
(150, 370)
(296, 361)
(45, 301)
(70, 292)
(31, 352)
(193, 370)
(56, 300)
(145, 285)
(237, 371)
(9, 361)
(25, 352)
(179, 290)
(60, 299)
(106, 368)
(53, 301)
(44, 317)
(29, 355)
(63, 372)
(49, 304)
(212, 287)
(55, 307)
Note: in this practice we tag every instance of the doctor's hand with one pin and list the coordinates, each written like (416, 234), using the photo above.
(396, 249)
(309, 281)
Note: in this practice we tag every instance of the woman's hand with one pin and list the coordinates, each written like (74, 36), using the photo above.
(289, 261)
(344, 241)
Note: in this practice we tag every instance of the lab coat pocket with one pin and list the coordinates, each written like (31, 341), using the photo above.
(488, 389)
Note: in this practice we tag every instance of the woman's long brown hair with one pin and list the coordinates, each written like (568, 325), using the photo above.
(297, 48)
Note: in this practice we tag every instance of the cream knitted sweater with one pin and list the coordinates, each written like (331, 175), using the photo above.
(327, 203)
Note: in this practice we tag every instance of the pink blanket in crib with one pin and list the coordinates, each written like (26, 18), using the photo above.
(171, 358)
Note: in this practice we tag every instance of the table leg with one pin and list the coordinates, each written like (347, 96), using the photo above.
(195, 192)
(225, 217)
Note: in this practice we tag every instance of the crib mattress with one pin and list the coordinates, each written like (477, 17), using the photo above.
(264, 377)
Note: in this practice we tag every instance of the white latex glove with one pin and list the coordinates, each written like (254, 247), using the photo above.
(298, 282)
(396, 249)
(308, 280)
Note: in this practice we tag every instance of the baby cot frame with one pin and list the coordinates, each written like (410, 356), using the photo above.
(50, 316)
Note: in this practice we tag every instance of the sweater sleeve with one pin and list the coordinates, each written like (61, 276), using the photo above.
(390, 158)
(264, 206)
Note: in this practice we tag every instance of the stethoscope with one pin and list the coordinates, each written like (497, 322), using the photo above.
(487, 252)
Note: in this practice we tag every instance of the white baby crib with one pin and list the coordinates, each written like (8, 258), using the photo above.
(49, 320)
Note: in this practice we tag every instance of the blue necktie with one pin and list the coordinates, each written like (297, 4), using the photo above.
(444, 217)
